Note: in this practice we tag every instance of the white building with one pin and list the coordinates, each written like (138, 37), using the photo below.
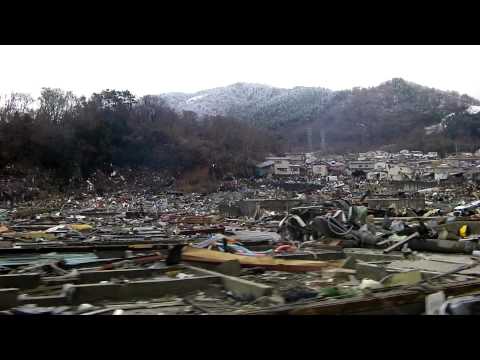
(284, 166)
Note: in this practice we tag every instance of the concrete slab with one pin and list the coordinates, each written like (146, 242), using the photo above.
(434, 266)
(371, 255)
(239, 287)
(139, 289)
(370, 271)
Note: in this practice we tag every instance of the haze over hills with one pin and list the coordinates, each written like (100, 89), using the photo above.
(394, 112)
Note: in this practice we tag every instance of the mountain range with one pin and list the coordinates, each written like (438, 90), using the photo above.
(396, 113)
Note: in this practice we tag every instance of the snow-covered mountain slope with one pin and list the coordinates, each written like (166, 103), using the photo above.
(251, 102)
(221, 101)
(393, 112)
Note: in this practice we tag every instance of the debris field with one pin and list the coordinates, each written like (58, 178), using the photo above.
(261, 248)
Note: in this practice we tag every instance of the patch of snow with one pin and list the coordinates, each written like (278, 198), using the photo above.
(195, 98)
(438, 128)
(473, 109)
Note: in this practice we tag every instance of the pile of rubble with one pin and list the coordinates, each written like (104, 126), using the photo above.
(258, 249)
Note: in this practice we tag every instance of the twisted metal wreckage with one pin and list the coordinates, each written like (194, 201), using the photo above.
(350, 226)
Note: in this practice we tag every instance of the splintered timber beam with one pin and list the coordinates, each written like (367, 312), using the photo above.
(267, 262)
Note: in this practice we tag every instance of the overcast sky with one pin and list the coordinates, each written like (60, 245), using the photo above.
(158, 69)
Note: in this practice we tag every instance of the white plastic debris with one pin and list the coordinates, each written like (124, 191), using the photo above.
(118, 312)
(370, 284)
(55, 228)
(85, 307)
(184, 276)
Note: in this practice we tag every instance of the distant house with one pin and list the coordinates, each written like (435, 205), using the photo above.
(297, 159)
(286, 169)
(285, 166)
(265, 169)
(364, 165)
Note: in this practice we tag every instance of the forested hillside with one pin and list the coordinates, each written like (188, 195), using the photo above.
(393, 114)
(76, 136)
(226, 130)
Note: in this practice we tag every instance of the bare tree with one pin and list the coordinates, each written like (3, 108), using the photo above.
(55, 103)
(15, 103)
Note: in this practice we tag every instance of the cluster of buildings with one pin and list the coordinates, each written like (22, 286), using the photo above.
(374, 165)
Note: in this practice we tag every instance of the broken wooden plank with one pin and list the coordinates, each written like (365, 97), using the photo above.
(312, 255)
(401, 243)
(268, 262)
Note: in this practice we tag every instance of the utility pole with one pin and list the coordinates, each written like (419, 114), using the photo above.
(309, 139)
(322, 137)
